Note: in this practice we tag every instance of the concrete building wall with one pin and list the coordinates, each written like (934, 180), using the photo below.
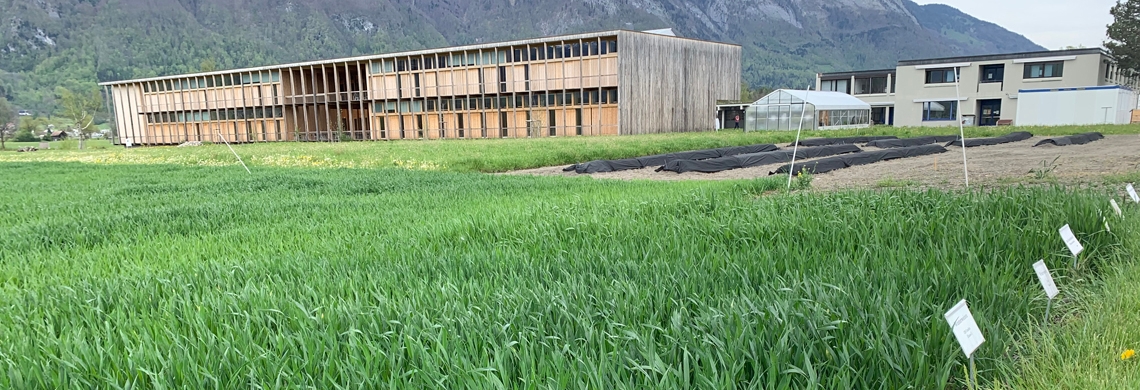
(1080, 69)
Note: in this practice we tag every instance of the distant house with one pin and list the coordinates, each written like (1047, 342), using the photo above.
(58, 135)
(1044, 88)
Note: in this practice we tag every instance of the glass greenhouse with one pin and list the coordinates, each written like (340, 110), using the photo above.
(821, 110)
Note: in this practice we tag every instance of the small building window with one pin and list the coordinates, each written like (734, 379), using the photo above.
(940, 111)
(834, 85)
(870, 85)
(993, 73)
(879, 84)
(862, 86)
(1042, 70)
(940, 76)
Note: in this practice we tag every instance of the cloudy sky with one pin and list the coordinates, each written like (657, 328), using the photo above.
(1050, 23)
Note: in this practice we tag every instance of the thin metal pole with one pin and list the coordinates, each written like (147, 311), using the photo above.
(234, 152)
(1074, 261)
(796, 146)
(1047, 307)
(973, 373)
(961, 126)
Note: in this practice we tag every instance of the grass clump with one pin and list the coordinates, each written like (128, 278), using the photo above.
(896, 183)
(210, 277)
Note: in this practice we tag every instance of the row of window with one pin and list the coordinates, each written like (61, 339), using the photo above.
(995, 73)
(574, 98)
(495, 57)
(606, 96)
(224, 80)
(863, 85)
(216, 115)
(534, 126)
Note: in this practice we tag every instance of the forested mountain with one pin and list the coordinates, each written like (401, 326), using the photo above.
(73, 43)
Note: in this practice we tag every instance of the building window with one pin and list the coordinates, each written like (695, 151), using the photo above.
(940, 111)
(879, 84)
(1043, 70)
(993, 73)
(940, 76)
(862, 86)
(870, 85)
(459, 124)
(834, 85)
(578, 120)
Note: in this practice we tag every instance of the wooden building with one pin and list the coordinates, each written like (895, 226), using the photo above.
(605, 83)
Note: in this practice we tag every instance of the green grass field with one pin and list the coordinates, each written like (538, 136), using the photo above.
(484, 155)
(175, 276)
(330, 267)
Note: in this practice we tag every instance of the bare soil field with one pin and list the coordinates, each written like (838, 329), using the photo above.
(988, 165)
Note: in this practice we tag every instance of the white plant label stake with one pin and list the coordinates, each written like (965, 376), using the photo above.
(965, 328)
(1071, 241)
(1047, 283)
(1132, 193)
(966, 331)
(1116, 207)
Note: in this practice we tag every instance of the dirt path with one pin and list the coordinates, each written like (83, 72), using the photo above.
(988, 165)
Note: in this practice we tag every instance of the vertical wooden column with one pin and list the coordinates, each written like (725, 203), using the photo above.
(171, 110)
(295, 81)
(110, 113)
(338, 124)
(311, 126)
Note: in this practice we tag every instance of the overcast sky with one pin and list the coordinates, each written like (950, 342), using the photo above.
(1050, 23)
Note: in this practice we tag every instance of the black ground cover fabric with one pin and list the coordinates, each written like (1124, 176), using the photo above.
(1079, 139)
(841, 141)
(1011, 137)
(829, 164)
(660, 159)
(916, 141)
(754, 159)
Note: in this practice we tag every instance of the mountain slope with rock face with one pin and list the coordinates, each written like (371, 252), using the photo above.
(73, 43)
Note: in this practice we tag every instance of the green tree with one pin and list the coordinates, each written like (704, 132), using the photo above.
(7, 119)
(1124, 34)
(208, 65)
(80, 108)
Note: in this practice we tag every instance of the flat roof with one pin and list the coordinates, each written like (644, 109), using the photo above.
(874, 72)
(598, 34)
(1008, 56)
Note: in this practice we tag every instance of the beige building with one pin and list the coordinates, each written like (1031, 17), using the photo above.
(604, 83)
(924, 92)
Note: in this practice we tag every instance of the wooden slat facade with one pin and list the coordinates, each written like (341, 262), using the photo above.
(608, 83)
(672, 84)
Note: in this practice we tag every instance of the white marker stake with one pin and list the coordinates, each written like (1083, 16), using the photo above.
(796, 146)
(1071, 241)
(1132, 193)
(1116, 207)
(1047, 283)
(966, 331)
(961, 125)
(235, 153)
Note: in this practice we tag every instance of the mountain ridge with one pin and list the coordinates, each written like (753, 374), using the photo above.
(45, 44)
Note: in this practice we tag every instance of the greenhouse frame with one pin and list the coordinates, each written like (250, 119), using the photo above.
(787, 109)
